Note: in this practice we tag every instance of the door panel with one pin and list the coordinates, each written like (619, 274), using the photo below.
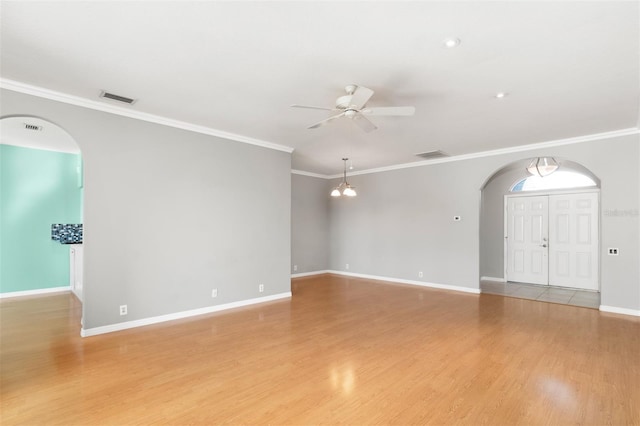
(583, 228)
(583, 265)
(562, 228)
(527, 230)
(562, 262)
(573, 242)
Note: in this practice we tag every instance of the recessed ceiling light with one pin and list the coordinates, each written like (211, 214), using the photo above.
(501, 95)
(451, 42)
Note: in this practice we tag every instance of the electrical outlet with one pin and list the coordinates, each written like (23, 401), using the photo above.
(346, 266)
(261, 288)
(420, 274)
(123, 309)
(214, 292)
(295, 268)
(613, 252)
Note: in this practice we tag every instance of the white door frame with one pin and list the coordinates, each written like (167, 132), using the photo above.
(550, 192)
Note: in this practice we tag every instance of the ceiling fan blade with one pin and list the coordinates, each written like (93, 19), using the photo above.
(364, 123)
(310, 107)
(323, 122)
(407, 110)
(361, 96)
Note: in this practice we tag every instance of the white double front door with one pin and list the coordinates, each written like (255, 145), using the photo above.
(553, 240)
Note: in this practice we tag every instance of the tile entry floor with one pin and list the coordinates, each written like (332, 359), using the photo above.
(543, 293)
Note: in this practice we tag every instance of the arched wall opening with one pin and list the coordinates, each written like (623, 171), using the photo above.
(41, 208)
(492, 210)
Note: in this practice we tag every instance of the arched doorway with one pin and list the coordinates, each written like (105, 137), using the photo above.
(540, 236)
(41, 189)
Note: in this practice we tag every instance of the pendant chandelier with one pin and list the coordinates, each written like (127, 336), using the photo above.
(543, 166)
(344, 188)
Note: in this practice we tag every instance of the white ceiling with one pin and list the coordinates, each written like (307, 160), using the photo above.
(570, 68)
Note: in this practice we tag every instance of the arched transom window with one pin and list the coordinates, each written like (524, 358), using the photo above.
(561, 179)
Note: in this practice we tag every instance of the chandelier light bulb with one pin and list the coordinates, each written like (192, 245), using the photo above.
(344, 186)
(349, 192)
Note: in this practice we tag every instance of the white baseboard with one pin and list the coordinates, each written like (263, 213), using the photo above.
(308, 274)
(499, 280)
(410, 282)
(623, 311)
(34, 292)
(179, 315)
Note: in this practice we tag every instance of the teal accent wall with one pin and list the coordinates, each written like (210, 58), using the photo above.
(37, 188)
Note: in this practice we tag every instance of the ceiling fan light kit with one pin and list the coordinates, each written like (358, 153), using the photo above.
(344, 188)
(353, 106)
(543, 166)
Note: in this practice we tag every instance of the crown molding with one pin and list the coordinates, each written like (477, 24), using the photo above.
(41, 92)
(315, 175)
(502, 151)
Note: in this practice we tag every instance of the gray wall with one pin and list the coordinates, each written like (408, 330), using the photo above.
(401, 222)
(170, 214)
(309, 223)
(615, 162)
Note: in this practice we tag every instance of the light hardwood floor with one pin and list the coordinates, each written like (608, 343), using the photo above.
(341, 351)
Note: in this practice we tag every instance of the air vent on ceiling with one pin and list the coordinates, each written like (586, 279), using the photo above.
(32, 127)
(432, 154)
(118, 98)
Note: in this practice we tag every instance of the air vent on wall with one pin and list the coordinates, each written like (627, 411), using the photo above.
(432, 154)
(118, 98)
(32, 127)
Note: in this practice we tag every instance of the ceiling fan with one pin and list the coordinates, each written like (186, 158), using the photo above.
(353, 106)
